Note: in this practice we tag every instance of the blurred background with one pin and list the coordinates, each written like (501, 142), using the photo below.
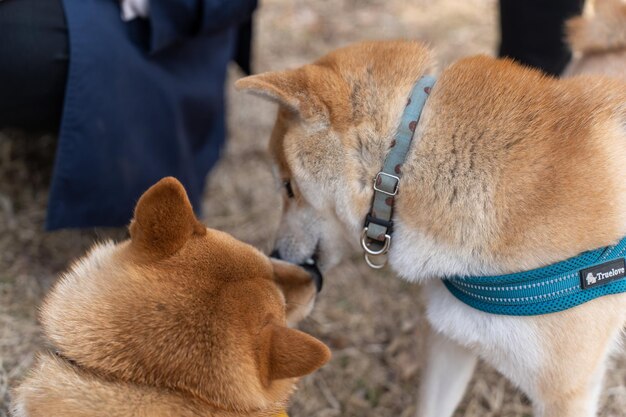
(372, 321)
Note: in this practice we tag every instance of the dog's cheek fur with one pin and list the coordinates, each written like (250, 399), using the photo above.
(309, 156)
(332, 203)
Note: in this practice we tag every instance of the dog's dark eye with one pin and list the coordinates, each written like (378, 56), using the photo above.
(288, 189)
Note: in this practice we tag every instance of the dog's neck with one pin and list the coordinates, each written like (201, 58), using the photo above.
(495, 184)
(141, 399)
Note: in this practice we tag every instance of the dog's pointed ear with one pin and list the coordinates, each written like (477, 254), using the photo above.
(282, 87)
(164, 219)
(289, 88)
(289, 353)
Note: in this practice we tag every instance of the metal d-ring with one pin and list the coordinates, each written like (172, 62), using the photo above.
(369, 251)
(372, 265)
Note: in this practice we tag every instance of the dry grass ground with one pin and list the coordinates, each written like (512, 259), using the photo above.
(373, 321)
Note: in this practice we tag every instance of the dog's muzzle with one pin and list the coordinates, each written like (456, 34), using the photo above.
(310, 266)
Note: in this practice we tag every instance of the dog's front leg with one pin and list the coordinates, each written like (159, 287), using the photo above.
(447, 371)
(581, 406)
(570, 401)
(576, 351)
(576, 408)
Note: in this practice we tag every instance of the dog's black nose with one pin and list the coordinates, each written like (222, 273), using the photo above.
(275, 254)
(311, 267)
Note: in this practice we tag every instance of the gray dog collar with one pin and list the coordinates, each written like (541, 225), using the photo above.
(376, 235)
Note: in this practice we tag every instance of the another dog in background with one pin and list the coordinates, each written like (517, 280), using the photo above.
(180, 320)
(598, 39)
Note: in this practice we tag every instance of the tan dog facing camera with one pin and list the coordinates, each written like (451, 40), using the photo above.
(508, 171)
(180, 320)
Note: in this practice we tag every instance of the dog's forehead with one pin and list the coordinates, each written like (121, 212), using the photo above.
(220, 253)
(201, 268)
(229, 285)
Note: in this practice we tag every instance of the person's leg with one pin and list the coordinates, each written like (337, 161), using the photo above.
(532, 32)
(34, 56)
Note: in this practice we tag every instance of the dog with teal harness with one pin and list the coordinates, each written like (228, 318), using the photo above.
(491, 170)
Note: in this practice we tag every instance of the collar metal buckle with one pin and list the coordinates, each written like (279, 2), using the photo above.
(395, 188)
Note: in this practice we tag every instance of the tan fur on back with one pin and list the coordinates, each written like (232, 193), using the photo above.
(522, 147)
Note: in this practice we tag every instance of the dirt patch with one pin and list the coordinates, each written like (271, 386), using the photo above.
(373, 321)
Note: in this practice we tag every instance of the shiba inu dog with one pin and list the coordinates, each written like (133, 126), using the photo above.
(180, 320)
(509, 170)
(598, 39)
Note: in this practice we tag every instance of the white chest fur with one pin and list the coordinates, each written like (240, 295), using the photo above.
(510, 344)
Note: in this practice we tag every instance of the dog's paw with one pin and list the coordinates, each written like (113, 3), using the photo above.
(132, 9)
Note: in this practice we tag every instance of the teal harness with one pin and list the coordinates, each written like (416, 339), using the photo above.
(544, 290)
(549, 289)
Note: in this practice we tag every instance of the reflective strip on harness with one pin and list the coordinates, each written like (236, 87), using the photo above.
(549, 289)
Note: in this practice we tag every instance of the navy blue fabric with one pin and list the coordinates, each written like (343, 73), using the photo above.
(174, 21)
(143, 100)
